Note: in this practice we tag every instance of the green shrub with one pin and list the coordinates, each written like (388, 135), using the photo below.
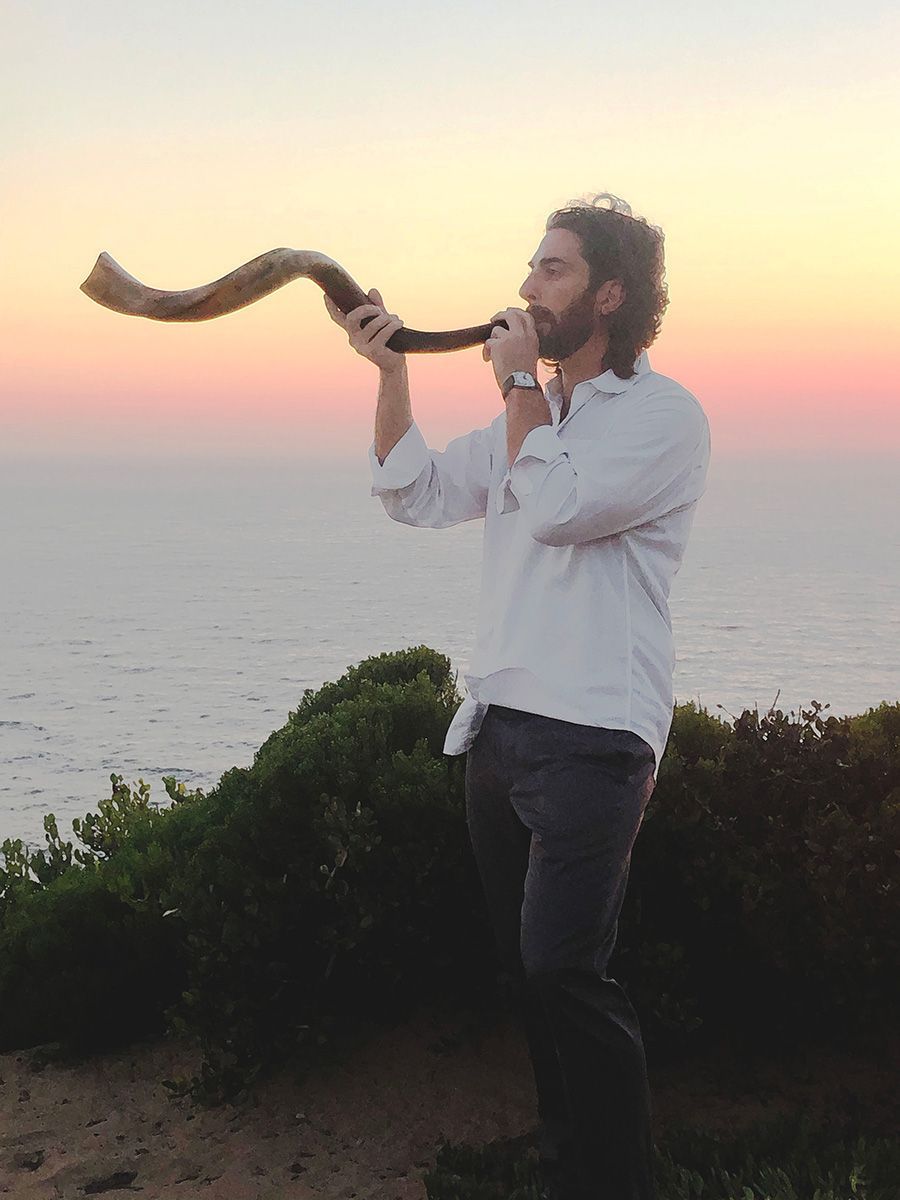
(85, 956)
(332, 876)
(778, 1158)
(341, 882)
(762, 895)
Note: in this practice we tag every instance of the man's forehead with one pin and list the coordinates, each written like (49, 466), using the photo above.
(558, 246)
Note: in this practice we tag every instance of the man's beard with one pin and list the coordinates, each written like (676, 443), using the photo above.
(574, 326)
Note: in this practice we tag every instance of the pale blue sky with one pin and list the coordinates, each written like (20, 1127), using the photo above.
(70, 68)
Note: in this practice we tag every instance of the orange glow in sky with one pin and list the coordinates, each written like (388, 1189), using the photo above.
(426, 165)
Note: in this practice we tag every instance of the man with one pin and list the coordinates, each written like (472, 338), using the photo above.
(588, 489)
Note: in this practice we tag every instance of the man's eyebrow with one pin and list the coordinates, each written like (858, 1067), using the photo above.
(544, 262)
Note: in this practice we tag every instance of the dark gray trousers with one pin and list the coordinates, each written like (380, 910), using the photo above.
(553, 810)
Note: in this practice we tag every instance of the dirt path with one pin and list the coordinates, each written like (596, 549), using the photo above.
(366, 1130)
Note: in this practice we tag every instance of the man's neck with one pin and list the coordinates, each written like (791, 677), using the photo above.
(586, 363)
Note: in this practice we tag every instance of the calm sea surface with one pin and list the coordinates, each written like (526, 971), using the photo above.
(161, 619)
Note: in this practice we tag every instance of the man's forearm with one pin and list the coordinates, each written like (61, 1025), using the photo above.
(393, 417)
(525, 410)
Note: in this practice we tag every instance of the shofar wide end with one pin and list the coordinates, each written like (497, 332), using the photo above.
(108, 284)
(111, 285)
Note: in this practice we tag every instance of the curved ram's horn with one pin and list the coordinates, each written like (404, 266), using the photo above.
(114, 288)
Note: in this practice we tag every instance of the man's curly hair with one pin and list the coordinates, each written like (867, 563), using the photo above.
(617, 245)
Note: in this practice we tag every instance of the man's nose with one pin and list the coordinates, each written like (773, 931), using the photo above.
(526, 291)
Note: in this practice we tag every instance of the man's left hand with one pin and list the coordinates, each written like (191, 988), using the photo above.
(513, 349)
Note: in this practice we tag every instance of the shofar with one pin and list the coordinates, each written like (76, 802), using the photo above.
(114, 288)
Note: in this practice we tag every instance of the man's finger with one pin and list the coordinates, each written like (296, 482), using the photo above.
(359, 314)
(375, 326)
(387, 331)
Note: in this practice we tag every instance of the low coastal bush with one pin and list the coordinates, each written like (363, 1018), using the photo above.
(336, 879)
(779, 1158)
(86, 957)
(763, 886)
(331, 878)
(332, 881)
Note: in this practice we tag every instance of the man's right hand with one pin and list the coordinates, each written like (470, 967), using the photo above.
(370, 341)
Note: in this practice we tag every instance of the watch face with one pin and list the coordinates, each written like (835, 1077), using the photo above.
(520, 379)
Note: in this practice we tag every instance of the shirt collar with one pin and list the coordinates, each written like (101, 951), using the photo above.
(608, 382)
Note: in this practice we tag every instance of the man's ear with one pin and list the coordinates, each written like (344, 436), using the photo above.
(609, 297)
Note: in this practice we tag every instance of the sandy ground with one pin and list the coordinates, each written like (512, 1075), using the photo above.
(364, 1130)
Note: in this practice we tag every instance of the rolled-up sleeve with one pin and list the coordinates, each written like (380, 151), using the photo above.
(653, 459)
(434, 488)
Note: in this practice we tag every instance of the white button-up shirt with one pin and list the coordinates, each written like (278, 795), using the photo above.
(583, 536)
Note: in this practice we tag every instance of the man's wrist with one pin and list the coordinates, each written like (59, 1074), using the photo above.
(536, 390)
(525, 395)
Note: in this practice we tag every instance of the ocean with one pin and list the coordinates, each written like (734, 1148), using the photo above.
(162, 618)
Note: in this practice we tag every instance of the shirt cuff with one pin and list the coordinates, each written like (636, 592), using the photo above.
(403, 465)
(540, 446)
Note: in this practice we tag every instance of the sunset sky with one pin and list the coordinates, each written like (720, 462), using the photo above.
(423, 146)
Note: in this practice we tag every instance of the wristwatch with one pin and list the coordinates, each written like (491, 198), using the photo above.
(520, 379)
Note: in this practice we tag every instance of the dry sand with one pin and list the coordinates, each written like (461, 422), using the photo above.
(364, 1130)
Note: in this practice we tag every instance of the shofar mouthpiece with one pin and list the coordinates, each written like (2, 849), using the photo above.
(110, 285)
